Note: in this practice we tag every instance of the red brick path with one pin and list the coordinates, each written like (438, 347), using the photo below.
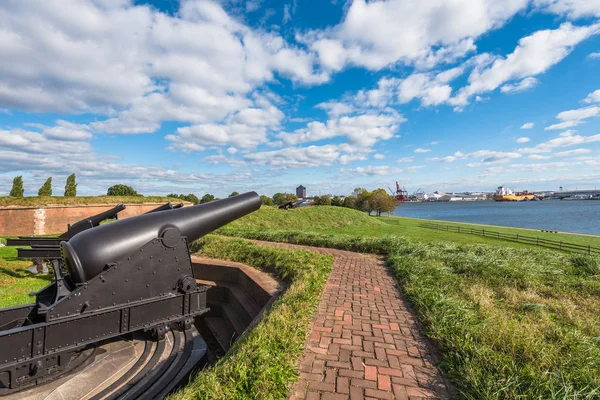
(364, 342)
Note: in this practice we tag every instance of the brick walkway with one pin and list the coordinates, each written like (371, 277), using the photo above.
(364, 342)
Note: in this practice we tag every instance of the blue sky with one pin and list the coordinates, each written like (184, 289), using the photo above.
(202, 96)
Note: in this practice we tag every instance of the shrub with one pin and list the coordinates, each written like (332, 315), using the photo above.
(121, 190)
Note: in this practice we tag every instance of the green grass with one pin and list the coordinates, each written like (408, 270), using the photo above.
(263, 363)
(15, 281)
(338, 220)
(510, 323)
(34, 201)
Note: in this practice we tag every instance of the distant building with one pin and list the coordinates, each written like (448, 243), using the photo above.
(421, 196)
(301, 192)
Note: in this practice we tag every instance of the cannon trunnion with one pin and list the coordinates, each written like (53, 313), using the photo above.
(131, 275)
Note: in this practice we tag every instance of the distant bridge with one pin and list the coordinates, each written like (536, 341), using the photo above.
(571, 193)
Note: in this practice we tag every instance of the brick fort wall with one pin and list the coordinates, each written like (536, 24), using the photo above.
(53, 219)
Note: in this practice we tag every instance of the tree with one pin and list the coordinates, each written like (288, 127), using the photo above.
(71, 186)
(361, 201)
(192, 198)
(17, 187)
(380, 201)
(207, 198)
(349, 202)
(46, 189)
(121, 190)
(322, 201)
(337, 201)
(267, 201)
(282, 198)
(234, 194)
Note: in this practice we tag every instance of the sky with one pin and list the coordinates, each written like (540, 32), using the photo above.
(209, 96)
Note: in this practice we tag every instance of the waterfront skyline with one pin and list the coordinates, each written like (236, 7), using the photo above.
(216, 96)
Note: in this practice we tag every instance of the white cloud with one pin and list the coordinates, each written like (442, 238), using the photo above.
(534, 55)
(405, 160)
(565, 139)
(527, 125)
(537, 157)
(593, 97)
(380, 170)
(377, 34)
(483, 157)
(571, 153)
(287, 16)
(379, 156)
(421, 150)
(140, 67)
(571, 8)
(573, 118)
(594, 55)
(296, 157)
(521, 86)
(523, 139)
(360, 130)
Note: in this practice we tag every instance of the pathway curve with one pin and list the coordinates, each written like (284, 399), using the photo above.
(364, 341)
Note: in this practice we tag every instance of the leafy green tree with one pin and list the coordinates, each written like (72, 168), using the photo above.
(71, 186)
(267, 201)
(337, 201)
(361, 202)
(349, 202)
(17, 187)
(121, 190)
(46, 189)
(234, 194)
(175, 195)
(282, 198)
(207, 198)
(322, 201)
(192, 198)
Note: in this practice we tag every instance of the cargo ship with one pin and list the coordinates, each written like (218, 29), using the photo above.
(506, 194)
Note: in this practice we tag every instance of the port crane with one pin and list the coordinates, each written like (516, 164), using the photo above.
(400, 194)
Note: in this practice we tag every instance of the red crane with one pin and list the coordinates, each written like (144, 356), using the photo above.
(400, 194)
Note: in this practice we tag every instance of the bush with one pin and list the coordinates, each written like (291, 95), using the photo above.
(121, 190)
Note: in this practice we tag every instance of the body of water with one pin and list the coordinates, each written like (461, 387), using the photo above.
(580, 216)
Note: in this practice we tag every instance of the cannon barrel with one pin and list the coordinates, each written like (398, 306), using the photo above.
(88, 252)
(92, 221)
(164, 207)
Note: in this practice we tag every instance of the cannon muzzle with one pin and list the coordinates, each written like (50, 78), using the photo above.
(164, 207)
(87, 253)
(92, 221)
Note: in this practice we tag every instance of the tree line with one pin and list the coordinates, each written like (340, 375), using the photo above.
(18, 189)
(377, 201)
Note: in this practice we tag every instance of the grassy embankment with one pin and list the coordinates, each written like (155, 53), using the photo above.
(263, 363)
(510, 320)
(336, 221)
(34, 201)
(15, 281)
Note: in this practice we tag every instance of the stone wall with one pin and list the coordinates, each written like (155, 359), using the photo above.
(53, 219)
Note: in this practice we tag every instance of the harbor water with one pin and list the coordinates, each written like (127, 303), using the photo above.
(578, 216)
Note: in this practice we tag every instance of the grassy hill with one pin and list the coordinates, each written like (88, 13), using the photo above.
(34, 201)
(339, 220)
(307, 218)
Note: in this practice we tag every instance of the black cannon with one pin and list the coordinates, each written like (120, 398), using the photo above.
(165, 207)
(72, 230)
(128, 276)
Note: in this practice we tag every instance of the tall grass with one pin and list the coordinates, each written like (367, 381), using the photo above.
(263, 363)
(510, 323)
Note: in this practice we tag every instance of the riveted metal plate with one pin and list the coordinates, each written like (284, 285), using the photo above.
(82, 330)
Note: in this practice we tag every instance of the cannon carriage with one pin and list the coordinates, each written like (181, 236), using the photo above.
(130, 277)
